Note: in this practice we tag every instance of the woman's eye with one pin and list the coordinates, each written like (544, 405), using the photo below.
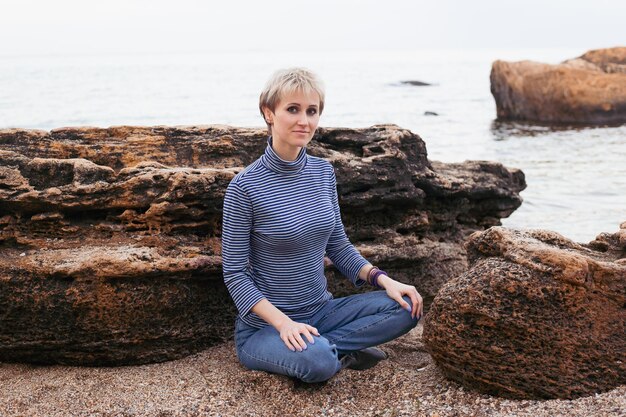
(292, 109)
(312, 111)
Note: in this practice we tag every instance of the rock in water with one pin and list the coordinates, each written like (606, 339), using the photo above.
(536, 315)
(415, 83)
(110, 238)
(590, 89)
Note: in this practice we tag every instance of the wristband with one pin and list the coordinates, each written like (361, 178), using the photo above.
(375, 278)
(371, 273)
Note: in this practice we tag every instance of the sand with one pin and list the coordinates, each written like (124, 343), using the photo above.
(213, 383)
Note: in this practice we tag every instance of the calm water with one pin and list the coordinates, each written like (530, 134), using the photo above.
(576, 177)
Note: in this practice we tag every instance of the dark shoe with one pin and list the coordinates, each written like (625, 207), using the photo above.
(363, 359)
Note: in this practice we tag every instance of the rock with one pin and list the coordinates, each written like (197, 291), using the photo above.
(415, 83)
(109, 304)
(120, 230)
(536, 316)
(611, 61)
(590, 89)
(430, 113)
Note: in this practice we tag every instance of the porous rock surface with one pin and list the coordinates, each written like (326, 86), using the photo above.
(110, 238)
(535, 316)
(590, 89)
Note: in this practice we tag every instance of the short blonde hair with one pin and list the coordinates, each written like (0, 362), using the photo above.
(287, 81)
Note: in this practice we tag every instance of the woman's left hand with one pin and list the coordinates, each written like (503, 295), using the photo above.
(396, 290)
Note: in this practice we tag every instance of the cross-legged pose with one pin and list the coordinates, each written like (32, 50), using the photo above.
(281, 217)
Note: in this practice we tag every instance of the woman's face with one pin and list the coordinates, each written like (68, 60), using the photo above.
(294, 119)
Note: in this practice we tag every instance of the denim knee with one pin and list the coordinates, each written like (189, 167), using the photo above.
(400, 318)
(404, 317)
(319, 362)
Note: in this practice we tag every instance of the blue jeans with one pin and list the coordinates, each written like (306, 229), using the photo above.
(344, 324)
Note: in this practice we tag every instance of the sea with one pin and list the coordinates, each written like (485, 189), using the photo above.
(576, 175)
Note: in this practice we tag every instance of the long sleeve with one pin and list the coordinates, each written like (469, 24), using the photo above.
(339, 249)
(236, 229)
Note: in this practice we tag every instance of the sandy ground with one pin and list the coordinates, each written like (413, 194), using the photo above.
(213, 383)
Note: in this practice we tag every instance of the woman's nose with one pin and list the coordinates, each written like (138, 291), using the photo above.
(303, 119)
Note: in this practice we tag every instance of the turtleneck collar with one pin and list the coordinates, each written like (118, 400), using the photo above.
(272, 161)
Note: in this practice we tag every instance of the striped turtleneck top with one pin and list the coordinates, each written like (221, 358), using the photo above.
(280, 219)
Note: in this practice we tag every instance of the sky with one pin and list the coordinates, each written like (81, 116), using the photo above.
(35, 27)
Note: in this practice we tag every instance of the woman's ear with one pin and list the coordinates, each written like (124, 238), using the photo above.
(268, 115)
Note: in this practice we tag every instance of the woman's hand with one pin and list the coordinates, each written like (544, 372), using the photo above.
(291, 331)
(395, 290)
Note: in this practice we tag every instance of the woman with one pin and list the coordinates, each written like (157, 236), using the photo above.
(281, 217)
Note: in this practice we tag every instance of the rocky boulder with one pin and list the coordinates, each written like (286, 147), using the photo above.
(590, 89)
(536, 316)
(110, 238)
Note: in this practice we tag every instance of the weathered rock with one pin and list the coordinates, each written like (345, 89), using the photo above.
(536, 316)
(590, 89)
(111, 237)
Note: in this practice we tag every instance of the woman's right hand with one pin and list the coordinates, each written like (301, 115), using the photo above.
(291, 333)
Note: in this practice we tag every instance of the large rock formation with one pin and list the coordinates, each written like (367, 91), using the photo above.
(590, 89)
(536, 316)
(110, 238)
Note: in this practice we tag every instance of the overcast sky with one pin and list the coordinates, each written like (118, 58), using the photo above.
(129, 26)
